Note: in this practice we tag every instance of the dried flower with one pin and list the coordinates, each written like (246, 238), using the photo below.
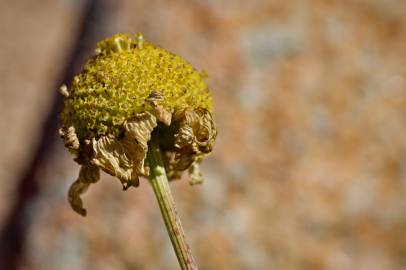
(127, 92)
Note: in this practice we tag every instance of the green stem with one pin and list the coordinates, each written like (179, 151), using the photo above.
(160, 184)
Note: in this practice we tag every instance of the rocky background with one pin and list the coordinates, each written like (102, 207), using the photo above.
(309, 168)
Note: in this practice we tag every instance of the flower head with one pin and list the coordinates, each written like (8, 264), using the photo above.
(127, 92)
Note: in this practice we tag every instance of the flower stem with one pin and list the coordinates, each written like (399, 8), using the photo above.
(160, 185)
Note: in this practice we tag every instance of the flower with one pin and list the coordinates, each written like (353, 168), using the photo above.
(127, 92)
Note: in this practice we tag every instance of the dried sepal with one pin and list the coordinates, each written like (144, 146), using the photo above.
(124, 157)
(88, 174)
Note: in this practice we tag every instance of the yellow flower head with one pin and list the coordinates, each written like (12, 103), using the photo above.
(127, 92)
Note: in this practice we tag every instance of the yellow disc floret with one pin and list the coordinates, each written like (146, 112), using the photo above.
(117, 80)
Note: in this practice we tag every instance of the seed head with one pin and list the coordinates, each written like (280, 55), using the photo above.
(127, 92)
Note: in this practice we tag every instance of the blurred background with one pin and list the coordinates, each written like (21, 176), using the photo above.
(309, 168)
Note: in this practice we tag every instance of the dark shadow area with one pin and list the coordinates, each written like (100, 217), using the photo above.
(94, 25)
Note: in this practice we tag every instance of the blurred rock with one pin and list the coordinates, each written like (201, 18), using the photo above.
(35, 40)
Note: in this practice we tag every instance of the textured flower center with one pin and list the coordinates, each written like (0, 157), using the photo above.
(128, 92)
(115, 83)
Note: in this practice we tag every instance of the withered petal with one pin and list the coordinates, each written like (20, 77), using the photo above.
(163, 115)
(155, 99)
(194, 140)
(124, 157)
(88, 174)
(70, 138)
(196, 176)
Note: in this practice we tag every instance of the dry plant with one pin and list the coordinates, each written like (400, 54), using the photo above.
(138, 110)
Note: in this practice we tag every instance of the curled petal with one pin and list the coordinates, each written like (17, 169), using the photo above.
(88, 174)
(138, 132)
(163, 115)
(193, 140)
(111, 156)
(159, 111)
(207, 132)
(169, 160)
(197, 131)
(196, 176)
(124, 157)
(68, 134)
